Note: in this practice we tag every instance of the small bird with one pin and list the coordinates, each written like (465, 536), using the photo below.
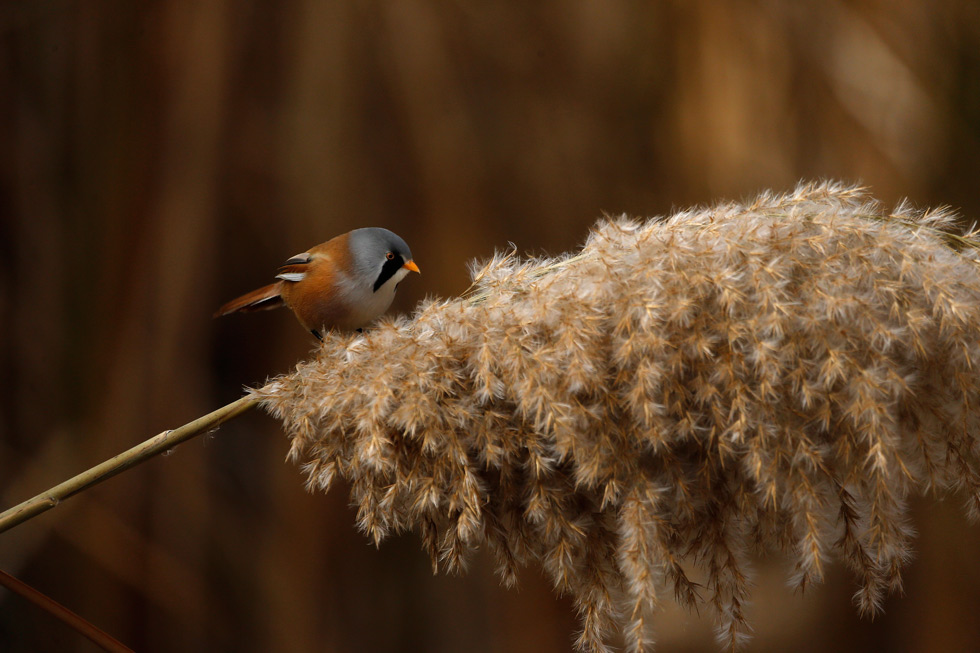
(344, 283)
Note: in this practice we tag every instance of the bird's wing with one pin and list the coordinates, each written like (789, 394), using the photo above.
(295, 268)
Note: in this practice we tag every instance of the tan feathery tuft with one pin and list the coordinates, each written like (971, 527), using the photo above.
(776, 374)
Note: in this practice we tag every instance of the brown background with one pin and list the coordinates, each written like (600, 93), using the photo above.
(158, 158)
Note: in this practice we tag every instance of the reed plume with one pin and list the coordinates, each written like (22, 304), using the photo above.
(640, 417)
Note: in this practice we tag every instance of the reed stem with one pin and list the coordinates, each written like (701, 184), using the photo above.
(130, 458)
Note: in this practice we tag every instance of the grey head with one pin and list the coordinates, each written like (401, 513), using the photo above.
(378, 255)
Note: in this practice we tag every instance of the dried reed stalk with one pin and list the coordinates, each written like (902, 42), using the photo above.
(638, 418)
(83, 627)
(142, 452)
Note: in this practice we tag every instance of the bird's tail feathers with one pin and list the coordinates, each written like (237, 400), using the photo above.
(258, 300)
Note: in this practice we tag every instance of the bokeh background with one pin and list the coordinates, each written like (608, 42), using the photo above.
(158, 158)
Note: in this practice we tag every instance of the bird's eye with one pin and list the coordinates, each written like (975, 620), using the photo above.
(390, 255)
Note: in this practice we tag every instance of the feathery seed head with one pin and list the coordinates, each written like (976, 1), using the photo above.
(777, 374)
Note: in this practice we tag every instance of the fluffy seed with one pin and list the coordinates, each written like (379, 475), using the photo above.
(682, 390)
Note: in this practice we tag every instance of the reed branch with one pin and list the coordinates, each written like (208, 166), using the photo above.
(776, 375)
(140, 453)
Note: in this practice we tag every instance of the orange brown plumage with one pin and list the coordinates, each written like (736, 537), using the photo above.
(344, 283)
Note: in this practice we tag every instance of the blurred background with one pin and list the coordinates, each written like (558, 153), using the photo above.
(159, 158)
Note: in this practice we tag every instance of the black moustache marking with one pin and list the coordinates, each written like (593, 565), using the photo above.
(388, 270)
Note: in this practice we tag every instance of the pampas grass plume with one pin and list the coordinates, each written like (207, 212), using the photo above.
(775, 375)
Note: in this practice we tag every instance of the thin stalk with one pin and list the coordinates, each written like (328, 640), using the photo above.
(138, 454)
(98, 636)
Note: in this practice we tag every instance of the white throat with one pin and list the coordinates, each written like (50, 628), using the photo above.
(368, 304)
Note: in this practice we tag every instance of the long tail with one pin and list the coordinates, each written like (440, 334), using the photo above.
(258, 300)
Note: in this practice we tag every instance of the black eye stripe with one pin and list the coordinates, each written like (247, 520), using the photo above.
(388, 270)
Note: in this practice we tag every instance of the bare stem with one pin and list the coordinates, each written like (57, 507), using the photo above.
(138, 454)
(98, 636)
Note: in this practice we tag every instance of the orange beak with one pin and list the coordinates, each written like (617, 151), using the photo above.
(410, 265)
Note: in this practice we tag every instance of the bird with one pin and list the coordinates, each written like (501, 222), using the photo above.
(344, 283)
